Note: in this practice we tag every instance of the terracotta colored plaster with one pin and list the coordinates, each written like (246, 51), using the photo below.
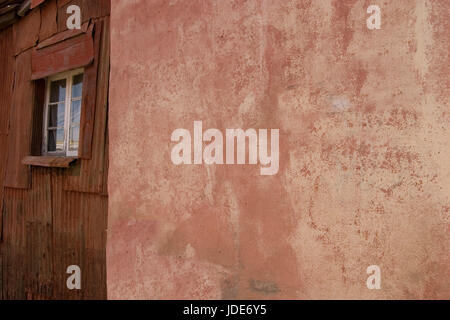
(364, 176)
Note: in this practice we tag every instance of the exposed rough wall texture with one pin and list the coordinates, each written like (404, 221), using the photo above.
(364, 149)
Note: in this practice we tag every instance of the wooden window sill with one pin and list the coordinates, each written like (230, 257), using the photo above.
(49, 161)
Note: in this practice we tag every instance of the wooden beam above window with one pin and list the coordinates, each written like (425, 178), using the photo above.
(62, 56)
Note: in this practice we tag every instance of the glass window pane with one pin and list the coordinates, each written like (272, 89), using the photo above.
(56, 115)
(74, 138)
(77, 86)
(75, 112)
(55, 140)
(58, 91)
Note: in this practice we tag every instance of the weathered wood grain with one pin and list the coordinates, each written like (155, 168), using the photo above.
(20, 124)
(89, 10)
(89, 97)
(63, 36)
(26, 31)
(52, 217)
(6, 77)
(88, 176)
(49, 162)
(49, 24)
(70, 54)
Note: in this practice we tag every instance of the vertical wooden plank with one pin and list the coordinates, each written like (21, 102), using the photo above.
(39, 275)
(19, 138)
(26, 31)
(59, 237)
(95, 217)
(15, 261)
(49, 24)
(88, 174)
(6, 77)
(27, 245)
(31, 272)
(79, 233)
(68, 237)
(89, 98)
(6, 89)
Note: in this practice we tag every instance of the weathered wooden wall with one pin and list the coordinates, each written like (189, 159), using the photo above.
(50, 217)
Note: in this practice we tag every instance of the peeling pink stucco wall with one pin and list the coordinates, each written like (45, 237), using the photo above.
(364, 174)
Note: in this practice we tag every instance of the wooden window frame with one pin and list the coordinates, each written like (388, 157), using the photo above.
(68, 76)
(49, 61)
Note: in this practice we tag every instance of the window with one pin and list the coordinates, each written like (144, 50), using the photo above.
(62, 114)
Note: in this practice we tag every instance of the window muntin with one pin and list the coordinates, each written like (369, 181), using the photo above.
(62, 114)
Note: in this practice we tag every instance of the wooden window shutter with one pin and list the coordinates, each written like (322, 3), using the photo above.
(89, 97)
(65, 51)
